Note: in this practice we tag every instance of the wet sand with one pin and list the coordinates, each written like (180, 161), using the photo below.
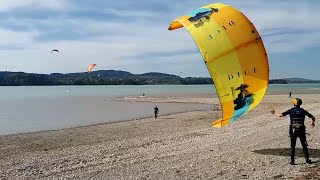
(176, 146)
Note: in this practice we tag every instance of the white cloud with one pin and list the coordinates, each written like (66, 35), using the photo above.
(286, 43)
(16, 39)
(6, 5)
(116, 43)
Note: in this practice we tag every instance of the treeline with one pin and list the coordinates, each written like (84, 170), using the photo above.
(96, 78)
(112, 77)
(278, 81)
(292, 81)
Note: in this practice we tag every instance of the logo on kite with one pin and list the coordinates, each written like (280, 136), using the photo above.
(237, 62)
(54, 50)
(244, 98)
(90, 67)
(202, 16)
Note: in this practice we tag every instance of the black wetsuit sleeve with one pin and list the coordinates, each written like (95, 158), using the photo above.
(308, 114)
(286, 112)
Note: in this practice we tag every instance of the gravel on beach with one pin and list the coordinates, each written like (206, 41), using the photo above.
(176, 146)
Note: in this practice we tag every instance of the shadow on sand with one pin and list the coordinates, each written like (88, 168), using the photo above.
(313, 153)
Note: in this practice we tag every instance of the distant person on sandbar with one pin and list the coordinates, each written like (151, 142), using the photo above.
(290, 95)
(156, 112)
(297, 127)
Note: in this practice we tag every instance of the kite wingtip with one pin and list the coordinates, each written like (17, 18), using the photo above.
(175, 25)
(217, 124)
(170, 28)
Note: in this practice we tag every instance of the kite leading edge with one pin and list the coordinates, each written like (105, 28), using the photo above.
(234, 54)
(54, 50)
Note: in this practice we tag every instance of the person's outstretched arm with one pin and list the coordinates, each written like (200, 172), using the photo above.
(280, 114)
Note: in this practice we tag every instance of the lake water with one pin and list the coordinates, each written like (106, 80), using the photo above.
(37, 108)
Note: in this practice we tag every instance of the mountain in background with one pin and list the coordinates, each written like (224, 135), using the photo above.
(114, 77)
(109, 74)
(301, 80)
(100, 77)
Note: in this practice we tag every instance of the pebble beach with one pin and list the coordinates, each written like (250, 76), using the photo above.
(174, 146)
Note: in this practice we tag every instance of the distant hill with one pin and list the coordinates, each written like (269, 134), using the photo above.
(300, 80)
(100, 77)
(157, 74)
(99, 73)
(296, 79)
(113, 77)
(110, 74)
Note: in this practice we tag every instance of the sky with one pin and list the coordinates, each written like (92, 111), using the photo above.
(133, 36)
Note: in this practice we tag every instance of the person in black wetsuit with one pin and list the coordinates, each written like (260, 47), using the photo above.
(156, 112)
(297, 127)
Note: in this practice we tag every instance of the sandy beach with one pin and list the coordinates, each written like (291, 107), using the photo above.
(176, 146)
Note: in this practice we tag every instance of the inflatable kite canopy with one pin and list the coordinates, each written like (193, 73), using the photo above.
(234, 54)
(54, 50)
(90, 67)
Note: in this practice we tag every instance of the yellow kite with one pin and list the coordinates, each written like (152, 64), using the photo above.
(234, 54)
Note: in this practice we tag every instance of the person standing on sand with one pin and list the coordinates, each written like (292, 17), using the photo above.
(290, 95)
(156, 112)
(297, 127)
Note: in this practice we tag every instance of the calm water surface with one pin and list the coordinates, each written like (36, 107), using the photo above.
(37, 108)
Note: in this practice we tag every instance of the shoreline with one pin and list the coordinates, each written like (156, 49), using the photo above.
(134, 99)
(175, 146)
(22, 116)
(97, 124)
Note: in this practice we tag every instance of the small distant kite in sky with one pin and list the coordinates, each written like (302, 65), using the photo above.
(90, 67)
(54, 50)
